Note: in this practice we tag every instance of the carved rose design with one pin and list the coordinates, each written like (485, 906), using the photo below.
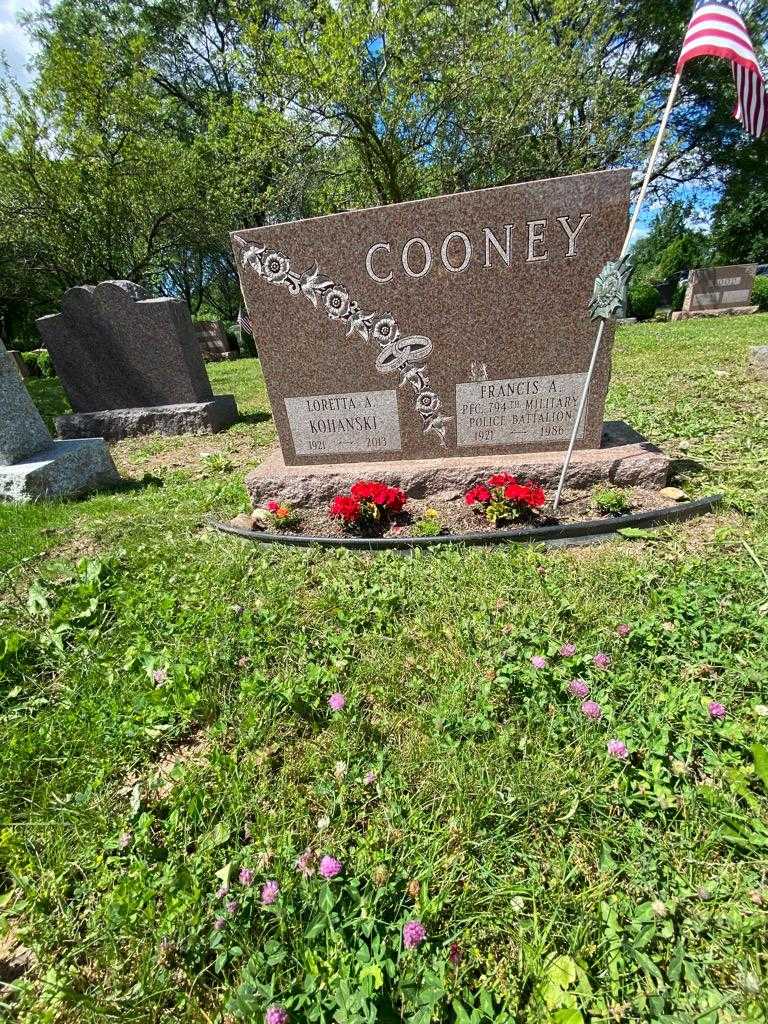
(276, 267)
(337, 303)
(385, 330)
(398, 353)
(426, 402)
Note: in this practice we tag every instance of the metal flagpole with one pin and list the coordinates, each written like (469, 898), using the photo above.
(624, 250)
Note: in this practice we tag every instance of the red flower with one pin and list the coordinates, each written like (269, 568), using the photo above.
(367, 490)
(390, 498)
(516, 492)
(480, 494)
(501, 480)
(346, 508)
(273, 506)
(536, 495)
(395, 499)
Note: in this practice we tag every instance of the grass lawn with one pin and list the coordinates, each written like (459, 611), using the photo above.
(167, 748)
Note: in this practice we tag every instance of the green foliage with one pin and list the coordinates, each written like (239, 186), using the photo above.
(643, 300)
(165, 723)
(740, 221)
(429, 525)
(611, 501)
(760, 293)
(678, 297)
(39, 363)
(670, 246)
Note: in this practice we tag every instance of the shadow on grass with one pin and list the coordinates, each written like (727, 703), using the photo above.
(253, 418)
(683, 467)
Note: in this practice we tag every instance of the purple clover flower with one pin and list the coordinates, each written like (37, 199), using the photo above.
(414, 933)
(601, 660)
(330, 867)
(276, 1015)
(592, 710)
(269, 893)
(567, 650)
(232, 906)
(716, 710)
(618, 750)
(539, 661)
(578, 688)
(337, 701)
(219, 924)
(221, 892)
(246, 876)
(370, 779)
(623, 630)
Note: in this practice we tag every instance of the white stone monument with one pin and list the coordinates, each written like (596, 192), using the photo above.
(32, 465)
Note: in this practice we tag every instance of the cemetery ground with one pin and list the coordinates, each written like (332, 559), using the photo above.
(168, 748)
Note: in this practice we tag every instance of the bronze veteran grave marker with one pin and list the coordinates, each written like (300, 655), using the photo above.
(442, 327)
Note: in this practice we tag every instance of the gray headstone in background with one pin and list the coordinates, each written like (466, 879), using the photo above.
(120, 354)
(214, 342)
(714, 288)
(757, 360)
(113, 347)
(32, 464)
(22, 431)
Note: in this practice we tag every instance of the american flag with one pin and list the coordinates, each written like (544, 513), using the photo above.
(717, 30)
(244, 322)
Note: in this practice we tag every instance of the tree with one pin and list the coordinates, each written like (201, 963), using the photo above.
(671, 245)
(125, 161)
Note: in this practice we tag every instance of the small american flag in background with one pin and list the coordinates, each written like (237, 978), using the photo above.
(244, 322)
(717, 30)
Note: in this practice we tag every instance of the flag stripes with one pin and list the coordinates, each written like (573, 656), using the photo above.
(717, 30)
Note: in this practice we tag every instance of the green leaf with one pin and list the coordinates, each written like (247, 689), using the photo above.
(375, 973)
(760, 760)
(636, 533)
(567, 1016)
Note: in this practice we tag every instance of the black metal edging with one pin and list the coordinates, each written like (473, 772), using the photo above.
(602, 528)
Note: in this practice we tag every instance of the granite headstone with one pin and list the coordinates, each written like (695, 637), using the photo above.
(719, 290)
(454, 326)
(32, 464)
(130, 364)
(214, 342)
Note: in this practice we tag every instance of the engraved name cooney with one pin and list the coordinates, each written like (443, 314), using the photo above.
(363, 421)
(527, 410)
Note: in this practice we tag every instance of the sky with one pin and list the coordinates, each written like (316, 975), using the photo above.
(13, 42)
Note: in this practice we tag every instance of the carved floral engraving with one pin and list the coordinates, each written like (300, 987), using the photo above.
(398, 353)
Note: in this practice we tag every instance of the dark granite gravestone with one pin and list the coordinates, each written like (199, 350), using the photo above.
(32, 464)
(718, 291)
(455, 326)
(214, 341)
(130, 364)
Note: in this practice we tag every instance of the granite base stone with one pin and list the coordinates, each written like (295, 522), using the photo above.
(625, 459)
(117, 424)
(68, 469)
(707, 314)
(757, 360)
